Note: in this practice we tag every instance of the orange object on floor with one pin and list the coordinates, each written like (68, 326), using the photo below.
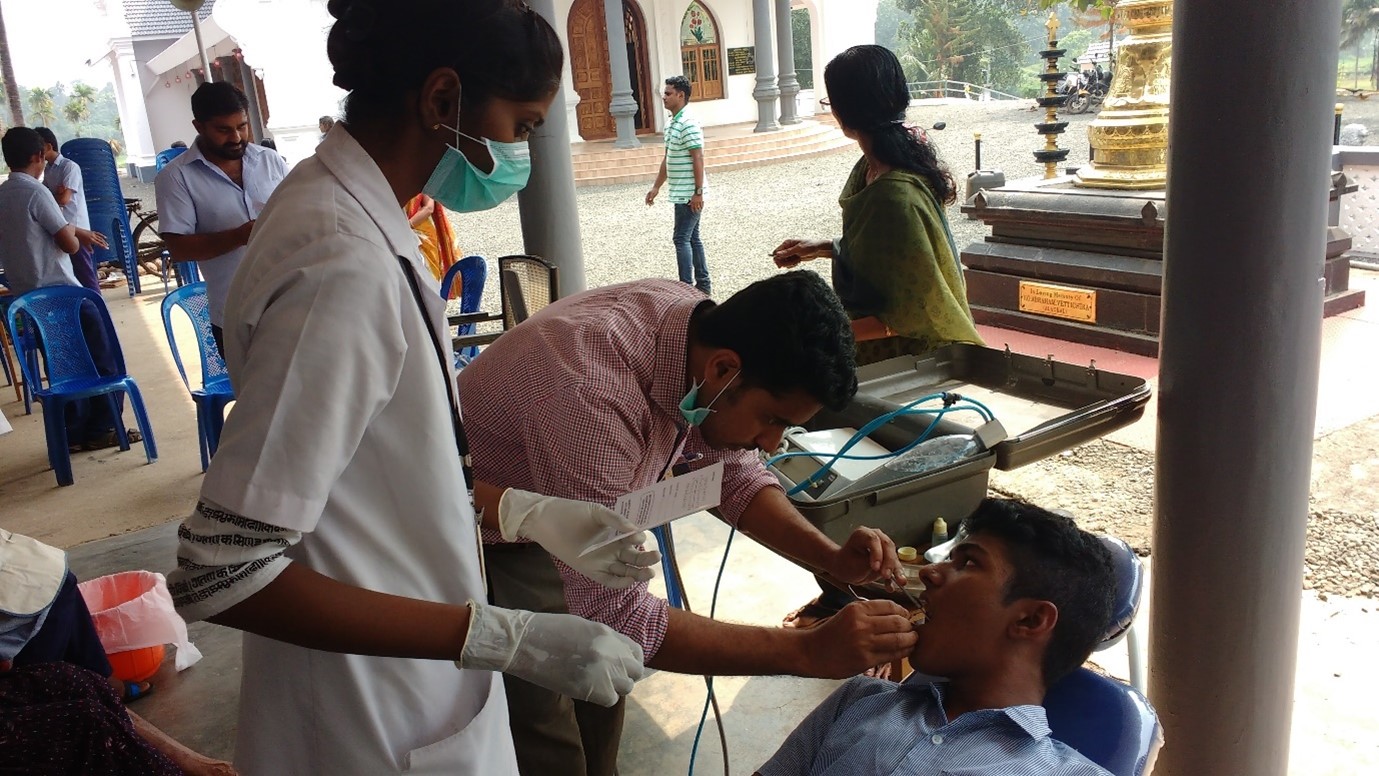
(136, 665)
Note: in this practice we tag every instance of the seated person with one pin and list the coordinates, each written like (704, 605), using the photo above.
(1021, 603)
(59, 703)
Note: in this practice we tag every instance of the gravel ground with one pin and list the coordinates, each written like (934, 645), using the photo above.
(1109, 486)
(1366, 112)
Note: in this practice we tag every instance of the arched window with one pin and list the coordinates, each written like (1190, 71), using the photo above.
(701, 53)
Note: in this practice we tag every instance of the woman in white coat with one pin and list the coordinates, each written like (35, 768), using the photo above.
(334, 526)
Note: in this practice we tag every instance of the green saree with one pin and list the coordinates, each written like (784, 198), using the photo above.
(897, 261)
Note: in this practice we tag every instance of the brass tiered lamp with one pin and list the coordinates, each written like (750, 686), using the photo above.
(1051, 127)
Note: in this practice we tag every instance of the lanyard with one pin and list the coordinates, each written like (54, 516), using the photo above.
(461, 441)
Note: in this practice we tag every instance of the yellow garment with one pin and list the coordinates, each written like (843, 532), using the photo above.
(438, 246)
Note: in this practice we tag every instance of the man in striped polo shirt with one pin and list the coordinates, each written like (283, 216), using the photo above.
(683, 166)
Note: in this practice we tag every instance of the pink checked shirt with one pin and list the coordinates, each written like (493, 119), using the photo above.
(582, 401)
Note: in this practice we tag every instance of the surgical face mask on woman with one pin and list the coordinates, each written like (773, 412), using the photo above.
(460, 186)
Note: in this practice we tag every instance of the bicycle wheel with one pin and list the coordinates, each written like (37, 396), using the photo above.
(149, 245)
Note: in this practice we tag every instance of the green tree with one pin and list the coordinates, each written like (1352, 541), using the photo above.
(1360, 20)
(41, 106)
(76, 112)
(889, 17)
(1076, 43)
(12, 97)
(966, 40)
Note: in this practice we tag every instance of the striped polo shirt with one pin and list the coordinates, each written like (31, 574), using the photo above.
(683, 135)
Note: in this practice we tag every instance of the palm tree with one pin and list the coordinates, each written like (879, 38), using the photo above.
(7, 75)
(41, 106)
(78, 107)
(76, 112)
(1359, 20)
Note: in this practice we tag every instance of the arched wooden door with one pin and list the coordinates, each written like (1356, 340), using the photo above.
(593, 80)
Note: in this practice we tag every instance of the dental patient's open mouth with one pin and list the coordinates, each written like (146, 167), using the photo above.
(920, 616)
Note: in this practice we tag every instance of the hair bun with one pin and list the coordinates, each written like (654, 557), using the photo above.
(353, 63)
(338, 8)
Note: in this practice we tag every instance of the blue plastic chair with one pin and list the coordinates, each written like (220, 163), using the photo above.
(10, 376)
(104, 201)
(184, 272)
(25, 350)
(1130, 581)
(215, 392)
(473, 274)
(1108, 722)
(166, 155)
(54, 312)
(123, 246)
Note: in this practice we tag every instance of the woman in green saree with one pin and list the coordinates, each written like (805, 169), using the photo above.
(895, 267)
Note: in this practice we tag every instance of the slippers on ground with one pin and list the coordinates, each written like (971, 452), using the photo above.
(112, 439)
(808, 616)
(133, 691)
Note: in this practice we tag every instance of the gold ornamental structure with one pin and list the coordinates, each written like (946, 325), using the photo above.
(1130, 136)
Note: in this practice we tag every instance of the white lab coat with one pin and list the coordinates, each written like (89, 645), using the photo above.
(342, 430)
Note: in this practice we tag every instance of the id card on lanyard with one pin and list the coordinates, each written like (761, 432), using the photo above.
(461, 440)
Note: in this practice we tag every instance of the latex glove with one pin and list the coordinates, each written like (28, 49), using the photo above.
(565, 527)
(573, 656)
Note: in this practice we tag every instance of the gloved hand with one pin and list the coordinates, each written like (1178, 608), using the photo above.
(565, 527)
(570, 655)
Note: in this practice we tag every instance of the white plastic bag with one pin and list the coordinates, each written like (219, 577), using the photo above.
(133, 610)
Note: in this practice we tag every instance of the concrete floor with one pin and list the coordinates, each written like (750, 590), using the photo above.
(121, 514)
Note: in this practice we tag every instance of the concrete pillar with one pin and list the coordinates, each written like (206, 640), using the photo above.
(140, 150)
(766, 91)
(251, 93)
(789, 85)
(1239, 362)
(550, 217)
(624, 105)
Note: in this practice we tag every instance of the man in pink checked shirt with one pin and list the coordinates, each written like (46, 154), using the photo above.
(606, 391)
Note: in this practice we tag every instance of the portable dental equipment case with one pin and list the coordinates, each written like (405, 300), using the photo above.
(1043, 407)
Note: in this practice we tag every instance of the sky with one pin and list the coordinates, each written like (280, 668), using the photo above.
(32, 26)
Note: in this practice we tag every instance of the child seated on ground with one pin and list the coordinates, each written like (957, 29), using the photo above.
(1020, 603)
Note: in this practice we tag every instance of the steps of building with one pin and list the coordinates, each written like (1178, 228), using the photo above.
(723, 153)
(649, 174)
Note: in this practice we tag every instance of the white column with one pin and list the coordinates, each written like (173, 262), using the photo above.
(129, 91)
(550, 215)
(623, 106)
(789, 84)
(766, 91)
(1238, 370)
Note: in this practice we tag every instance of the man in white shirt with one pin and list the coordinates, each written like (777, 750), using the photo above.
(62, 176)
(209, 197)
(36, 243)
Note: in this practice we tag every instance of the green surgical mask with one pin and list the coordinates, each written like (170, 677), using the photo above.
(460, 186)
(695, 416)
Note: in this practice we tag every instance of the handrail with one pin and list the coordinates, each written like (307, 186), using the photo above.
(949, 88)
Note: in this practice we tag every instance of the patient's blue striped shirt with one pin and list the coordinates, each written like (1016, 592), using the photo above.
(874, 727)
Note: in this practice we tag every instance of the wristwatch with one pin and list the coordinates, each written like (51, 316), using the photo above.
(698, 190)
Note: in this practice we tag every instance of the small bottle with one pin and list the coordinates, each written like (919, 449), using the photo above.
(940, 532)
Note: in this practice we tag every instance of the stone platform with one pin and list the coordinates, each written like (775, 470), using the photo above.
(1086, 265)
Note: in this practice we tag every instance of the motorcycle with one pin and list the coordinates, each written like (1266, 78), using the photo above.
(1091, 92)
